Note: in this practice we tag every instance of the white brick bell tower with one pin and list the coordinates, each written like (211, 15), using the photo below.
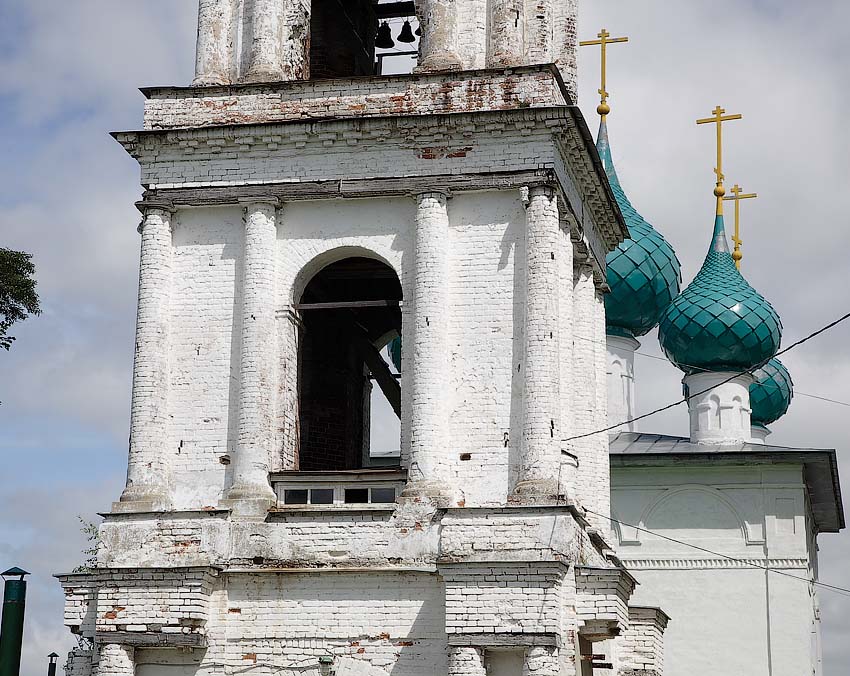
(302, 211)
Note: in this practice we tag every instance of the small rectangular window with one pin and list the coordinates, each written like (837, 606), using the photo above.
(322, 496)
(356, 496)
(383, 495)
(295, 497)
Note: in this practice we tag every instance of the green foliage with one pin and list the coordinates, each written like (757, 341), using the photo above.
(90, 530)
(18, 298)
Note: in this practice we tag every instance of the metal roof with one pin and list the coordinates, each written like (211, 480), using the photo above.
(820, 466)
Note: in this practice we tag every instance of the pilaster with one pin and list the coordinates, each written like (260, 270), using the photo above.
(466, 661)
(114, 660)
(147, 467)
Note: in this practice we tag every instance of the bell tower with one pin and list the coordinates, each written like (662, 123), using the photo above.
(250, 41)
(319, 234)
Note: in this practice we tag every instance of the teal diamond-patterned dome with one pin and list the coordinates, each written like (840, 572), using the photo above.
(771, 393)
(719, 323)
(643, 271)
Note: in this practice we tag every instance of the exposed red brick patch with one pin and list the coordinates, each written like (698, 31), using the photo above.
(250, 656)
(234, 610)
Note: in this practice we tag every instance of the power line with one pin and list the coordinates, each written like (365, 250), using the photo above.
(709, 389)
(831, 587)
(797, 393)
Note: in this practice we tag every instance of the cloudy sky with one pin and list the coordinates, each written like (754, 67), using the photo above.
(69, 72)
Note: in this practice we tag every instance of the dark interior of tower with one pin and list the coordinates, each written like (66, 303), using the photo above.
(350, 311)
(350, 38)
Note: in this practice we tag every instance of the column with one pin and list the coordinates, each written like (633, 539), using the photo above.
(466, 661)
(506, 40)
(602, 475)
(114, 660)
(257, 374)
(541, 661)
(147, 466)
(215, 46)
(430, 346)
(438, 48)
(541, 433)
(266, 43)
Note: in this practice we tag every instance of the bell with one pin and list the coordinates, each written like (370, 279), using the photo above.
(384, 38)
(406, 34)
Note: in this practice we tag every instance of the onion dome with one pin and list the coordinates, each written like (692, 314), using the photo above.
(643, 271)
(395, 352)
(771, 393)
(719, 323)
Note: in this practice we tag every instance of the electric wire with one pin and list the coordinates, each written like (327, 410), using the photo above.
(708, 389)
(840, 590)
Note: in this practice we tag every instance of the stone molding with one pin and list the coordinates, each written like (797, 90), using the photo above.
(714, 563)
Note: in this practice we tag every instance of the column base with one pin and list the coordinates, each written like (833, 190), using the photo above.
(250, 503)
(142, 499)
(210, 80)
(435, 492)
(262, 75)
(439, 62)
(536, 492)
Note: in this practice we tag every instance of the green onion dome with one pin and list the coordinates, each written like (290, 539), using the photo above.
(395, 352)
(643, 271)
(771, 393)
(719, 323)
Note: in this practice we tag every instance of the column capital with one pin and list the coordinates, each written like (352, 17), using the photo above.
(444, 193)
(260, 200)
(154, 204)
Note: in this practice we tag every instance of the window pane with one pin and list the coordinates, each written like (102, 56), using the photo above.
(383, 495)
(322, 496)
(356, 496)
(295, 497)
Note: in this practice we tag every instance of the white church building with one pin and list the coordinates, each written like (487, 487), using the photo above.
(303, 210)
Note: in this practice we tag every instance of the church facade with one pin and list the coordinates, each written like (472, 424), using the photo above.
(303, 210)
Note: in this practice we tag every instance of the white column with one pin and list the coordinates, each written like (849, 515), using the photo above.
(215, 45)
(114, 660)
(147, 466)
(438, 46)
(466, 661)
(719, 410)
(257, 373)
(430, 347)
(506, 40)
(539, 31)
(266, 42)
(537, 475)
(602, 467)
(621, 381)
(541, 661)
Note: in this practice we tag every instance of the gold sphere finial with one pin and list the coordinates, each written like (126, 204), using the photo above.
(603, 109)
(719, 191)
(737, 255)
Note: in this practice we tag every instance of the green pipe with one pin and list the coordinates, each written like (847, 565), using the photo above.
(12, 625)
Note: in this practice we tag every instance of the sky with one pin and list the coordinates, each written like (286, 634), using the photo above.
(69, 73)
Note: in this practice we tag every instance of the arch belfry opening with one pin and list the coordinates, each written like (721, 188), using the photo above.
(362, 37)
(351, 311)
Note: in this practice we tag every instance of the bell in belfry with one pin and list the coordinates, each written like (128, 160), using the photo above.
(406, 34)
(384, 38)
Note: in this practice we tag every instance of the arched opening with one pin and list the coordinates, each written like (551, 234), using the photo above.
(350, 38)
(349, 388)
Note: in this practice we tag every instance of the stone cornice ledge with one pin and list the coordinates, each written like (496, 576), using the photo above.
(752, 563)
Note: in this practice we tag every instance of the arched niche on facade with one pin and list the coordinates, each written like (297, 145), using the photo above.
(350, 310)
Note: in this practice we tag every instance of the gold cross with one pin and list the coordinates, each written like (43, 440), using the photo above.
(719, 118)
(604, 40)
(737, 196)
